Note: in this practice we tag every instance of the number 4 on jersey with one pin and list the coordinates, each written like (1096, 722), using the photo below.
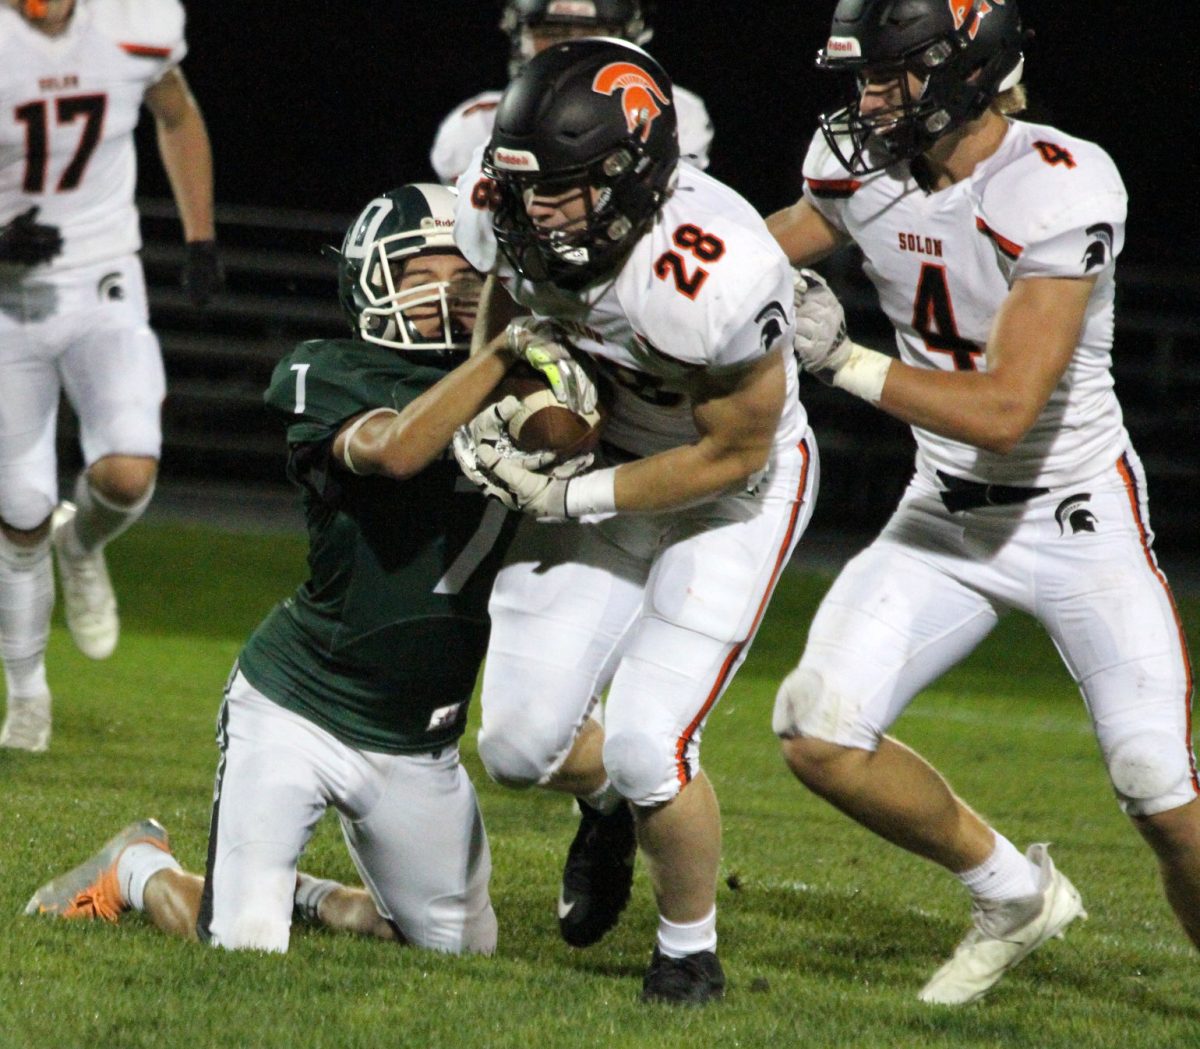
(933, 319)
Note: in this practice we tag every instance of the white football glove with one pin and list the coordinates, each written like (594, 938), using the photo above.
(539, 343)
(821, 344)
(489, 459)
(490, 429)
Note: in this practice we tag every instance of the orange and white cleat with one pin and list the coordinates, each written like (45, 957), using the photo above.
(92, 890)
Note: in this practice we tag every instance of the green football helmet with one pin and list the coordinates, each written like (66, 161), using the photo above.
(417, 219)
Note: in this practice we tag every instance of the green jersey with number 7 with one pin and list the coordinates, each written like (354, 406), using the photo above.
(382, 643)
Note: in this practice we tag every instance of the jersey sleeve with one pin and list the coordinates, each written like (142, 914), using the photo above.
(473, 216)
(827, 185)
(1058, 211)
(312, 394)
(152, 30)
(462, 131)
(736, 312)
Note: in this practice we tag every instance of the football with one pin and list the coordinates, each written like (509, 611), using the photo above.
(544, 425)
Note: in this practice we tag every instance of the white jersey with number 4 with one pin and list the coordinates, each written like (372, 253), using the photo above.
(705, 287)
(68, 107)
(1045, 204)
(469, 126)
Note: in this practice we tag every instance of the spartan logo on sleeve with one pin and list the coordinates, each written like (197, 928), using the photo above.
(772, 321)
(1073, 511)
(1099, 251)
(641, 98)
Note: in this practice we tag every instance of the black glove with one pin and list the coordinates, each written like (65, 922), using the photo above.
(29, 242)
(203, 274)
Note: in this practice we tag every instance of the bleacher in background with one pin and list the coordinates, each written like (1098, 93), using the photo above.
(282, 290)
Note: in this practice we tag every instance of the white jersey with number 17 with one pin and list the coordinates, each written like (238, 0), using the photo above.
(68, 107)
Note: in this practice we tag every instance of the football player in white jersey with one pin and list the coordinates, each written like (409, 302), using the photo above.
(73, 317)
(992, 244)
(532, 25)
(662, 560)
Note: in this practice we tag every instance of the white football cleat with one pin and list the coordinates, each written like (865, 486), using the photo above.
(1004, 933)
(27, 723)
(88, 598)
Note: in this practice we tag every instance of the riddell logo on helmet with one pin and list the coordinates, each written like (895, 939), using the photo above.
(515, 160)
(572, 9)
(640, 95)
(844, 47)
(971, 13)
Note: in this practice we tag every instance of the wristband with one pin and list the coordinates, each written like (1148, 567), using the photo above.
(864, 373)
(592, 493)
(352, 429)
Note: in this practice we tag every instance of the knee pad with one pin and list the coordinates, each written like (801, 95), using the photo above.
(806, 706)
(508, 762)
(1150, 771)
(641, 768)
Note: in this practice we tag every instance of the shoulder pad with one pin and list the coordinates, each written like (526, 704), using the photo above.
(695, 306)
(695, 128)
(8, 22)
(824, 175)
(464, 128)
(150, 28)
(1050, 181)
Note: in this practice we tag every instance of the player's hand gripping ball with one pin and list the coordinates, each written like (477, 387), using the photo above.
(562, 410)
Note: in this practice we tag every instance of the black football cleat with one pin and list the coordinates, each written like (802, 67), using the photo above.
(598, 875)
(693, 979)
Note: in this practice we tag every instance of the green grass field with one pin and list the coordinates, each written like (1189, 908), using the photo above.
(826, 933)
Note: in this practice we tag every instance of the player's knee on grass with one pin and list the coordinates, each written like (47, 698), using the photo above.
(642, 770)
(1150, 771)
(254, 931)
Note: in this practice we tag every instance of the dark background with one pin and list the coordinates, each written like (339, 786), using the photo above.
(320, 104)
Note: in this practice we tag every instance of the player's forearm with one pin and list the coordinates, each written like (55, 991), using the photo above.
(977, 408)
(412, 440)
(187, 157)
(687, 475)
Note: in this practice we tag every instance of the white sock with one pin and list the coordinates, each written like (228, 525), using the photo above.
(26, 601)
(138, 864)
(98, 520)
(310, 892)
(676, 940)
(1004, 875)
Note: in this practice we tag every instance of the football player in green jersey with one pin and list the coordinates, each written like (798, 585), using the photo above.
(353, 692)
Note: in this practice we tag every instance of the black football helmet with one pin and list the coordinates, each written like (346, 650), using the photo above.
(626, 19)
(588, 114)
(964, 52)
(417, 219)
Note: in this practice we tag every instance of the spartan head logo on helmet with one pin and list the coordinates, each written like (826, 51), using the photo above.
(641, 98)
(971, 13)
